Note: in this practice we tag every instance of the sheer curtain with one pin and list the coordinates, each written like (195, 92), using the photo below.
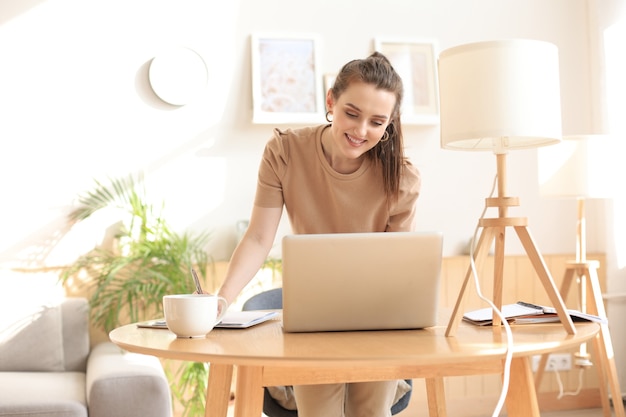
(615, 70)
(614, 44)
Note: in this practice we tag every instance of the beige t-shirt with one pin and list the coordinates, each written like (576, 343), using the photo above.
(294, 172)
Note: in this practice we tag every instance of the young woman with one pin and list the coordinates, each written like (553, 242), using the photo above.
(347, 176)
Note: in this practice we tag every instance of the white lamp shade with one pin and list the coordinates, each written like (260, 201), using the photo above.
(578, 167)
(499, 95)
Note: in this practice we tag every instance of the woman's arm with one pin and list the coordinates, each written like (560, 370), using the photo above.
(252, 251)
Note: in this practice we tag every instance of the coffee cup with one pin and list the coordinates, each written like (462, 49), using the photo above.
(193, 315)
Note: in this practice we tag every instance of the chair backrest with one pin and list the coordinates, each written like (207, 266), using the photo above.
(267, 300)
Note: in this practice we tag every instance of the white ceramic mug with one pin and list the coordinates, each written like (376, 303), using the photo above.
(192, 315)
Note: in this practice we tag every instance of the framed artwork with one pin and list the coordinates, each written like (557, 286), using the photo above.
(286, 79)
(415, 61)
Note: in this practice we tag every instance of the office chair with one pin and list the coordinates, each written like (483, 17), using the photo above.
(273, 300)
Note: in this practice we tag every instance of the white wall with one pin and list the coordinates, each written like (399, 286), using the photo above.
(608, 26)
(76, 105)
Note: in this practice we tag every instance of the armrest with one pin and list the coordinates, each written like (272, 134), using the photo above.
(123, 384)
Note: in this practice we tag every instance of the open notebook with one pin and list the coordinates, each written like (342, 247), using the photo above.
(361, 281)
(231, 320)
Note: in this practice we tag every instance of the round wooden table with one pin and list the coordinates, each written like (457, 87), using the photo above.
(266, 356)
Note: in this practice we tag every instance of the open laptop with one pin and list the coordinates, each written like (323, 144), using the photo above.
(361, 281)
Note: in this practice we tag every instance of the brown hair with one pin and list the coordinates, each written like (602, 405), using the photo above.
(378, 71)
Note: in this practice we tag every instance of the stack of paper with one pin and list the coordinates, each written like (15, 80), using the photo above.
(524, 313)
(245, 319)
(231, 320)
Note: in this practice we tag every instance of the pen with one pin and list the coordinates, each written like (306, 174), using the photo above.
(196, 281)
(535, 306)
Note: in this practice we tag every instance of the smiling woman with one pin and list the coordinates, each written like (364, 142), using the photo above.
(350, 176)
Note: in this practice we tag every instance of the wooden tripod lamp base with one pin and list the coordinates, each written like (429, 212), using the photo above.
(494, 229)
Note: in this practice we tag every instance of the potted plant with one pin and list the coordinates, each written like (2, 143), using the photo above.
(145, 261)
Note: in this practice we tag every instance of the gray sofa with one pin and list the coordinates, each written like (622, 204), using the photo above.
(47, 368)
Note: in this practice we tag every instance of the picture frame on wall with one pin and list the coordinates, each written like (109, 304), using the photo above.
(286, 79)
(415, 62)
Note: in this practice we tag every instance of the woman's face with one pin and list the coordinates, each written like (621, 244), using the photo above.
(359, 118)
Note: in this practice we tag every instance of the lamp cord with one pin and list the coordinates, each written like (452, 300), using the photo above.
(563, 393)
(503, 320)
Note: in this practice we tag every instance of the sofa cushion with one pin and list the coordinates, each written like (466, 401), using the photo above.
(31, 338)
(56, 394)
(75, 318)
(128, 377)
(52, 409)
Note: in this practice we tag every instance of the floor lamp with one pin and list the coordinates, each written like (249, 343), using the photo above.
(500, 96)
(579, 168)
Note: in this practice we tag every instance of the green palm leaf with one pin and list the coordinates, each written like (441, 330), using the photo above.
(149, 260)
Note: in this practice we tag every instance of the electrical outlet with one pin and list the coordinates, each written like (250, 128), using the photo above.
(556, 362)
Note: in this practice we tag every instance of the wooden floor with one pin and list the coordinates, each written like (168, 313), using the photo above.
(485, 408)
(593, 412)
(481, 408)
(584, 404)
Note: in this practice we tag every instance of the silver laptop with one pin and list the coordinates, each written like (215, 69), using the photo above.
(361, 281)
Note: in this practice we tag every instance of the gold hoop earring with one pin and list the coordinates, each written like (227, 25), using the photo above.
(328, 118)
(385, 137)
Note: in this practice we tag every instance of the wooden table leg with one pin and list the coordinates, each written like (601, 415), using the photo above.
(436, 397)
(521, 399)
(249, 393)
(218, 390)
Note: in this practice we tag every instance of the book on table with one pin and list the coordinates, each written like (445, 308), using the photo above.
(527, 313)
